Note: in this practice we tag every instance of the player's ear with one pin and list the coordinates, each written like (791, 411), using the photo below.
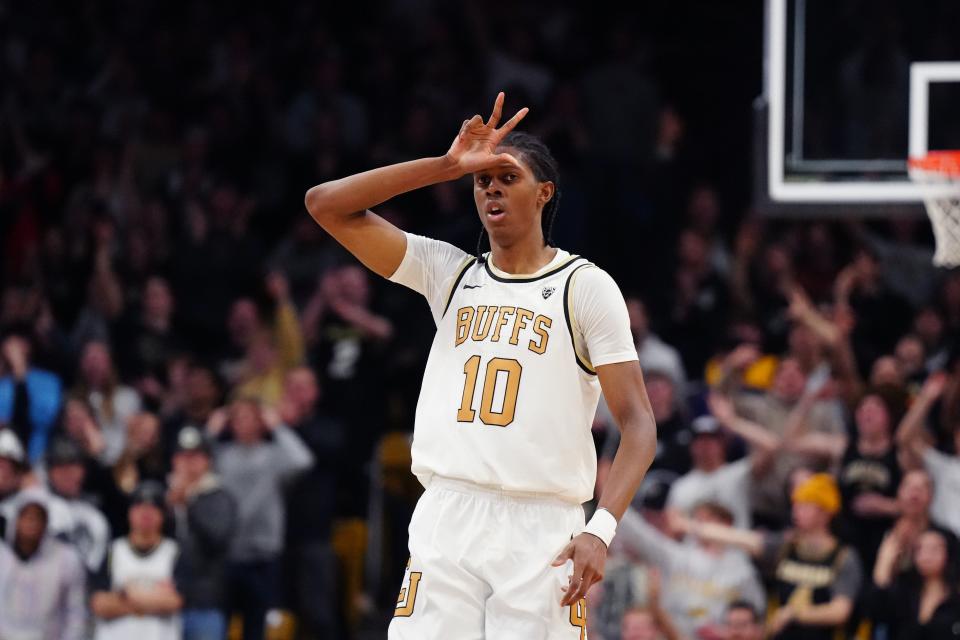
(545, 193)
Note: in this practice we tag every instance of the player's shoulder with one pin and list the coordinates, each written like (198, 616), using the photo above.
(586, 279)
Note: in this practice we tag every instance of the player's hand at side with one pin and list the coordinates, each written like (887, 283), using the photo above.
(589, 555)
(474, 148)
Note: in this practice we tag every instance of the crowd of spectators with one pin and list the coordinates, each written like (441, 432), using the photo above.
(201, 394)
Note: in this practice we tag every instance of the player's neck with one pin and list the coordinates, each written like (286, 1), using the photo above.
(520, 259)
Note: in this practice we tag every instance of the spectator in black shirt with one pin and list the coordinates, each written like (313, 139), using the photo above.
(310, 500)
(869, 473)
(145, 340)
(921, 604)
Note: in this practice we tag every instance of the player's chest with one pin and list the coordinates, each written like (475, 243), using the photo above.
(487, 313)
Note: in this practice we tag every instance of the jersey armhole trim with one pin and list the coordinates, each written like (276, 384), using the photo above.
(453, 288)
(582, 361)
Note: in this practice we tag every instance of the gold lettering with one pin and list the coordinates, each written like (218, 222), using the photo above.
(540, 326)
(503, 317)
(464, 320)
(484, 317)
(807, 575)
(523, 316)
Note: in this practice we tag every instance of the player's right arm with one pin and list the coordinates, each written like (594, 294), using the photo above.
(342, 207)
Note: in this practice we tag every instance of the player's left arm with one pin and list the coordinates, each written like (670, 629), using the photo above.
(626, 395)
(601, 316)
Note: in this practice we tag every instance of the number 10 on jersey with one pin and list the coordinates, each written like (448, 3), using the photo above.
(496, 370)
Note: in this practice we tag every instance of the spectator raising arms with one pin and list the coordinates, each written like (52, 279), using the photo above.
(29, 397)
(923, 602)
(254, 470)
(816, 579)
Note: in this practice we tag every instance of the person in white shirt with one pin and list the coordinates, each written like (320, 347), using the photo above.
(712, 478)
(700, 578)
(943, 468)
(136, 598)
(527, 335)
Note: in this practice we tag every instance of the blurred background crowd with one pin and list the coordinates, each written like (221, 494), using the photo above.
(206, 404)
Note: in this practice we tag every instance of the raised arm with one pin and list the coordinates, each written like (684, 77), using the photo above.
(746, 539)
(342, 206)
(910, 434)
(757, 436)
(797, 438)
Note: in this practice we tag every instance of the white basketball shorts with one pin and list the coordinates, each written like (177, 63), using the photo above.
(480, 567)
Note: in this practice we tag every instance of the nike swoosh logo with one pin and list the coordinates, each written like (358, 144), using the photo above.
(472, 286)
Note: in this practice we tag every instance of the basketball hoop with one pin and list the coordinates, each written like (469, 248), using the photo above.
(939, 169)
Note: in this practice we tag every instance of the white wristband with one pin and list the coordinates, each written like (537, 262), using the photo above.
(603, 525)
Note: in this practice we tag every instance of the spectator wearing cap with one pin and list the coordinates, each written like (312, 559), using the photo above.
(712, 478)
(205, 517)
(87, 528)
(255, 470)
(42, 580)
(29, 397)
(701, 578)
(815, 578)
(135, 596)
(12, 459)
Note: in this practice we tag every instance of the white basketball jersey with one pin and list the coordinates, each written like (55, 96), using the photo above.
(127, 566)
(506, 401)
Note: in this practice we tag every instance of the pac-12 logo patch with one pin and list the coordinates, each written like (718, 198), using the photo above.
(547, 292)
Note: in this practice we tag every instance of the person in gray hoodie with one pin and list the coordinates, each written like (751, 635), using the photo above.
(254, 468)
(42, 580)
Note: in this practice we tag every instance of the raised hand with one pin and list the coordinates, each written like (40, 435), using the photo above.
(474, 148)
(934, 385)
(721, 407)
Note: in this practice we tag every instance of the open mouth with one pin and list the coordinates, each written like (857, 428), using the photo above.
(495, 211)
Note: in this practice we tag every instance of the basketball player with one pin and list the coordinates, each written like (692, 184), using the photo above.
(527, 336)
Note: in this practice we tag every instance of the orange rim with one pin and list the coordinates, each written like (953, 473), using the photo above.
(943, 162)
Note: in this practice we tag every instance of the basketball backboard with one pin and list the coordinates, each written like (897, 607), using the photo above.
(851, 88)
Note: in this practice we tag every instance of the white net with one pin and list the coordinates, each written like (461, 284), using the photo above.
(941, 172)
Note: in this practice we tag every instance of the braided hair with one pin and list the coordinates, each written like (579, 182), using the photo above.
(537, 156)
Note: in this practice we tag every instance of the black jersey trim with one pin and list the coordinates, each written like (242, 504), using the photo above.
(566, 315)
(456, 283)
(534, 279)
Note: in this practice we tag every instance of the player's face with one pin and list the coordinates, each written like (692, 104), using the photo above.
(510, 200)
